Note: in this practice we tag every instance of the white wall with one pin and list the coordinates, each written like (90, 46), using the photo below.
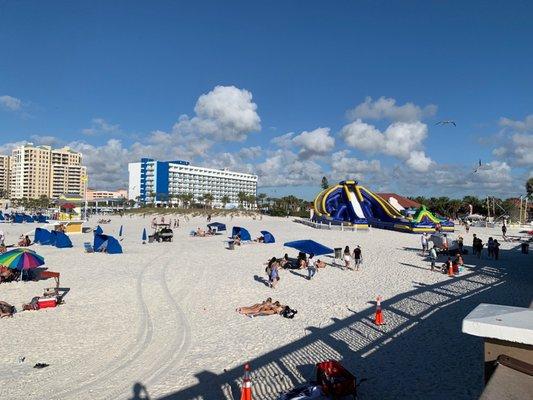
(134, 188)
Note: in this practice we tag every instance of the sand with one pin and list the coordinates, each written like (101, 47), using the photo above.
(162, 315)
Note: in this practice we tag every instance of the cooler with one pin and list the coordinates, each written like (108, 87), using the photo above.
(47, 302)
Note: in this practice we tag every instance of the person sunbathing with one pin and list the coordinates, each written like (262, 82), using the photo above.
(24, 241)
(200, 232)
(6, 274)
(237, 240)
(260, 239)
(320, 264)
(255, 308)
(267, 309)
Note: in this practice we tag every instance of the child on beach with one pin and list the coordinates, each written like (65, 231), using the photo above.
(496, 249)
(433, 257)
(311, 267)
(424, 241)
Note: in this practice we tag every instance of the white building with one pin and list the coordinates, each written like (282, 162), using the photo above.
(162, 181)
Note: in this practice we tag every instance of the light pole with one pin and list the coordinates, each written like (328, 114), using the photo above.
(85, 180)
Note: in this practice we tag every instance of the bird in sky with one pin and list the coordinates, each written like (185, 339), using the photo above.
(478, 166)
(446, 122)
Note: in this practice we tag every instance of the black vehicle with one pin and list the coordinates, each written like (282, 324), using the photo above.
(164, 234)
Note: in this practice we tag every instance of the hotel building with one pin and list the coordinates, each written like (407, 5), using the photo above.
(161, 181)
(36, 171)
(5, 176)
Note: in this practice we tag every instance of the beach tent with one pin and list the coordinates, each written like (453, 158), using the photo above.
(42, 236)
(2, 218)
(99, 230)
(243, 233)
(144, 236)
(27, 218)
(309, 247)
(18, 218)
(42, 219)
(109, 243)
(218, 226)
(60, 240)
(268, 237)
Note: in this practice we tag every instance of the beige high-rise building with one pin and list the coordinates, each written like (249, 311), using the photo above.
(42, 171)
(5, 176)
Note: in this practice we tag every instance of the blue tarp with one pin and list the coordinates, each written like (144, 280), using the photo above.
(109, 243)
(2, 218)
(219, 227)
(99, 230)
(309, 247)
(27, 218)
(42, 236)
(243, 233)
(60, 240)
(268, 237)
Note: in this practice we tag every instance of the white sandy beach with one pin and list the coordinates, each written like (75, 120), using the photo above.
(163, 315)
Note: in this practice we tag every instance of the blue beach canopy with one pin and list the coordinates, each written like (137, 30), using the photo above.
(144, 235)
(42, 236)
(218, 226)
(18, 218)
(60, 240)
(243, 233)
(107, 242)
(309, 247)
(99, 230)
(268, 237)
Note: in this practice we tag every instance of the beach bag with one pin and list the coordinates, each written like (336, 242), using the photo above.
(288, 312)
(303, 392)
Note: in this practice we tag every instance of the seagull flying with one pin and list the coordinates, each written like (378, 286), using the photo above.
(446, 122)
(478, 166)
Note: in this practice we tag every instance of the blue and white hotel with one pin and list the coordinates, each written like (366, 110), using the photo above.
(165, 179)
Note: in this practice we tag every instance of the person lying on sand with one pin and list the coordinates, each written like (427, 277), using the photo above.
(260, 239)
(6, 309)
(265, 309)
(6, 274)
(200, 232)
(237, 240)
(32, 305)
(255, 307)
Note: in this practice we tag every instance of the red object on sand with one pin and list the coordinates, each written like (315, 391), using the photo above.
(334, 379)
(378, 319)
(246, 391)
(47, 302)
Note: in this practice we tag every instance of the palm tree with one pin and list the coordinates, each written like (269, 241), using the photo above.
(242, 198)
(225, 200)
(324, 184)
(529, 187)
(261, 199)
(187, 198)
(208, 199)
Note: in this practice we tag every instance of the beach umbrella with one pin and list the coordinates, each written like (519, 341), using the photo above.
(68, 206)
(22, 259)
(309, 247)
(144, 235)
(120, 231)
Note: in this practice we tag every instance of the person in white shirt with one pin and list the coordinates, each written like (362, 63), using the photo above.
(424, 241)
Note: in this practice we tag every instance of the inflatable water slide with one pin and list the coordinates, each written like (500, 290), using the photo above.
(349, 202)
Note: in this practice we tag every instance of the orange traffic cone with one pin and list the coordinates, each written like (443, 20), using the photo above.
(450, 270)
(246, 391)
(379, 320)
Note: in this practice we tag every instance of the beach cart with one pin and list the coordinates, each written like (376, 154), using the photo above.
(335, 380)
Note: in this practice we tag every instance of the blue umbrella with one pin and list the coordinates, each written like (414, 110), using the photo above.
(120, 231)
(144, 235)
(268, 237)
(309, 247)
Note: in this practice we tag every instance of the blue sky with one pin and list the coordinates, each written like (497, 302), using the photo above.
(291, 91)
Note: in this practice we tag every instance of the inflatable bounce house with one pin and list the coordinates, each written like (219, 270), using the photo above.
(349, 202)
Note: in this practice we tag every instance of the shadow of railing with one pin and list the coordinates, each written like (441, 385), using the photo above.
(415, 355)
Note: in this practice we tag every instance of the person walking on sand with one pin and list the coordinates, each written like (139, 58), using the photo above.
(424, 241)
(467, 226)
(357, 257)
(311, 267)
(474, 244)
(433, 257)
(347, 258)
(504, 231)
(490, 247)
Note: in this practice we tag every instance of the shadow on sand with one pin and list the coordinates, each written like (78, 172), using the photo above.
(420, 353)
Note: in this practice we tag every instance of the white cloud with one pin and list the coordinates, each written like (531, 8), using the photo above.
(386, 108)
(401, 139)
(225, 113)
(100, 126)
(345, 167)
(284, 168)
(362, 136)
(283, 141)
(418, 161)
(525, 125)
(314, 143)
(10, 103)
